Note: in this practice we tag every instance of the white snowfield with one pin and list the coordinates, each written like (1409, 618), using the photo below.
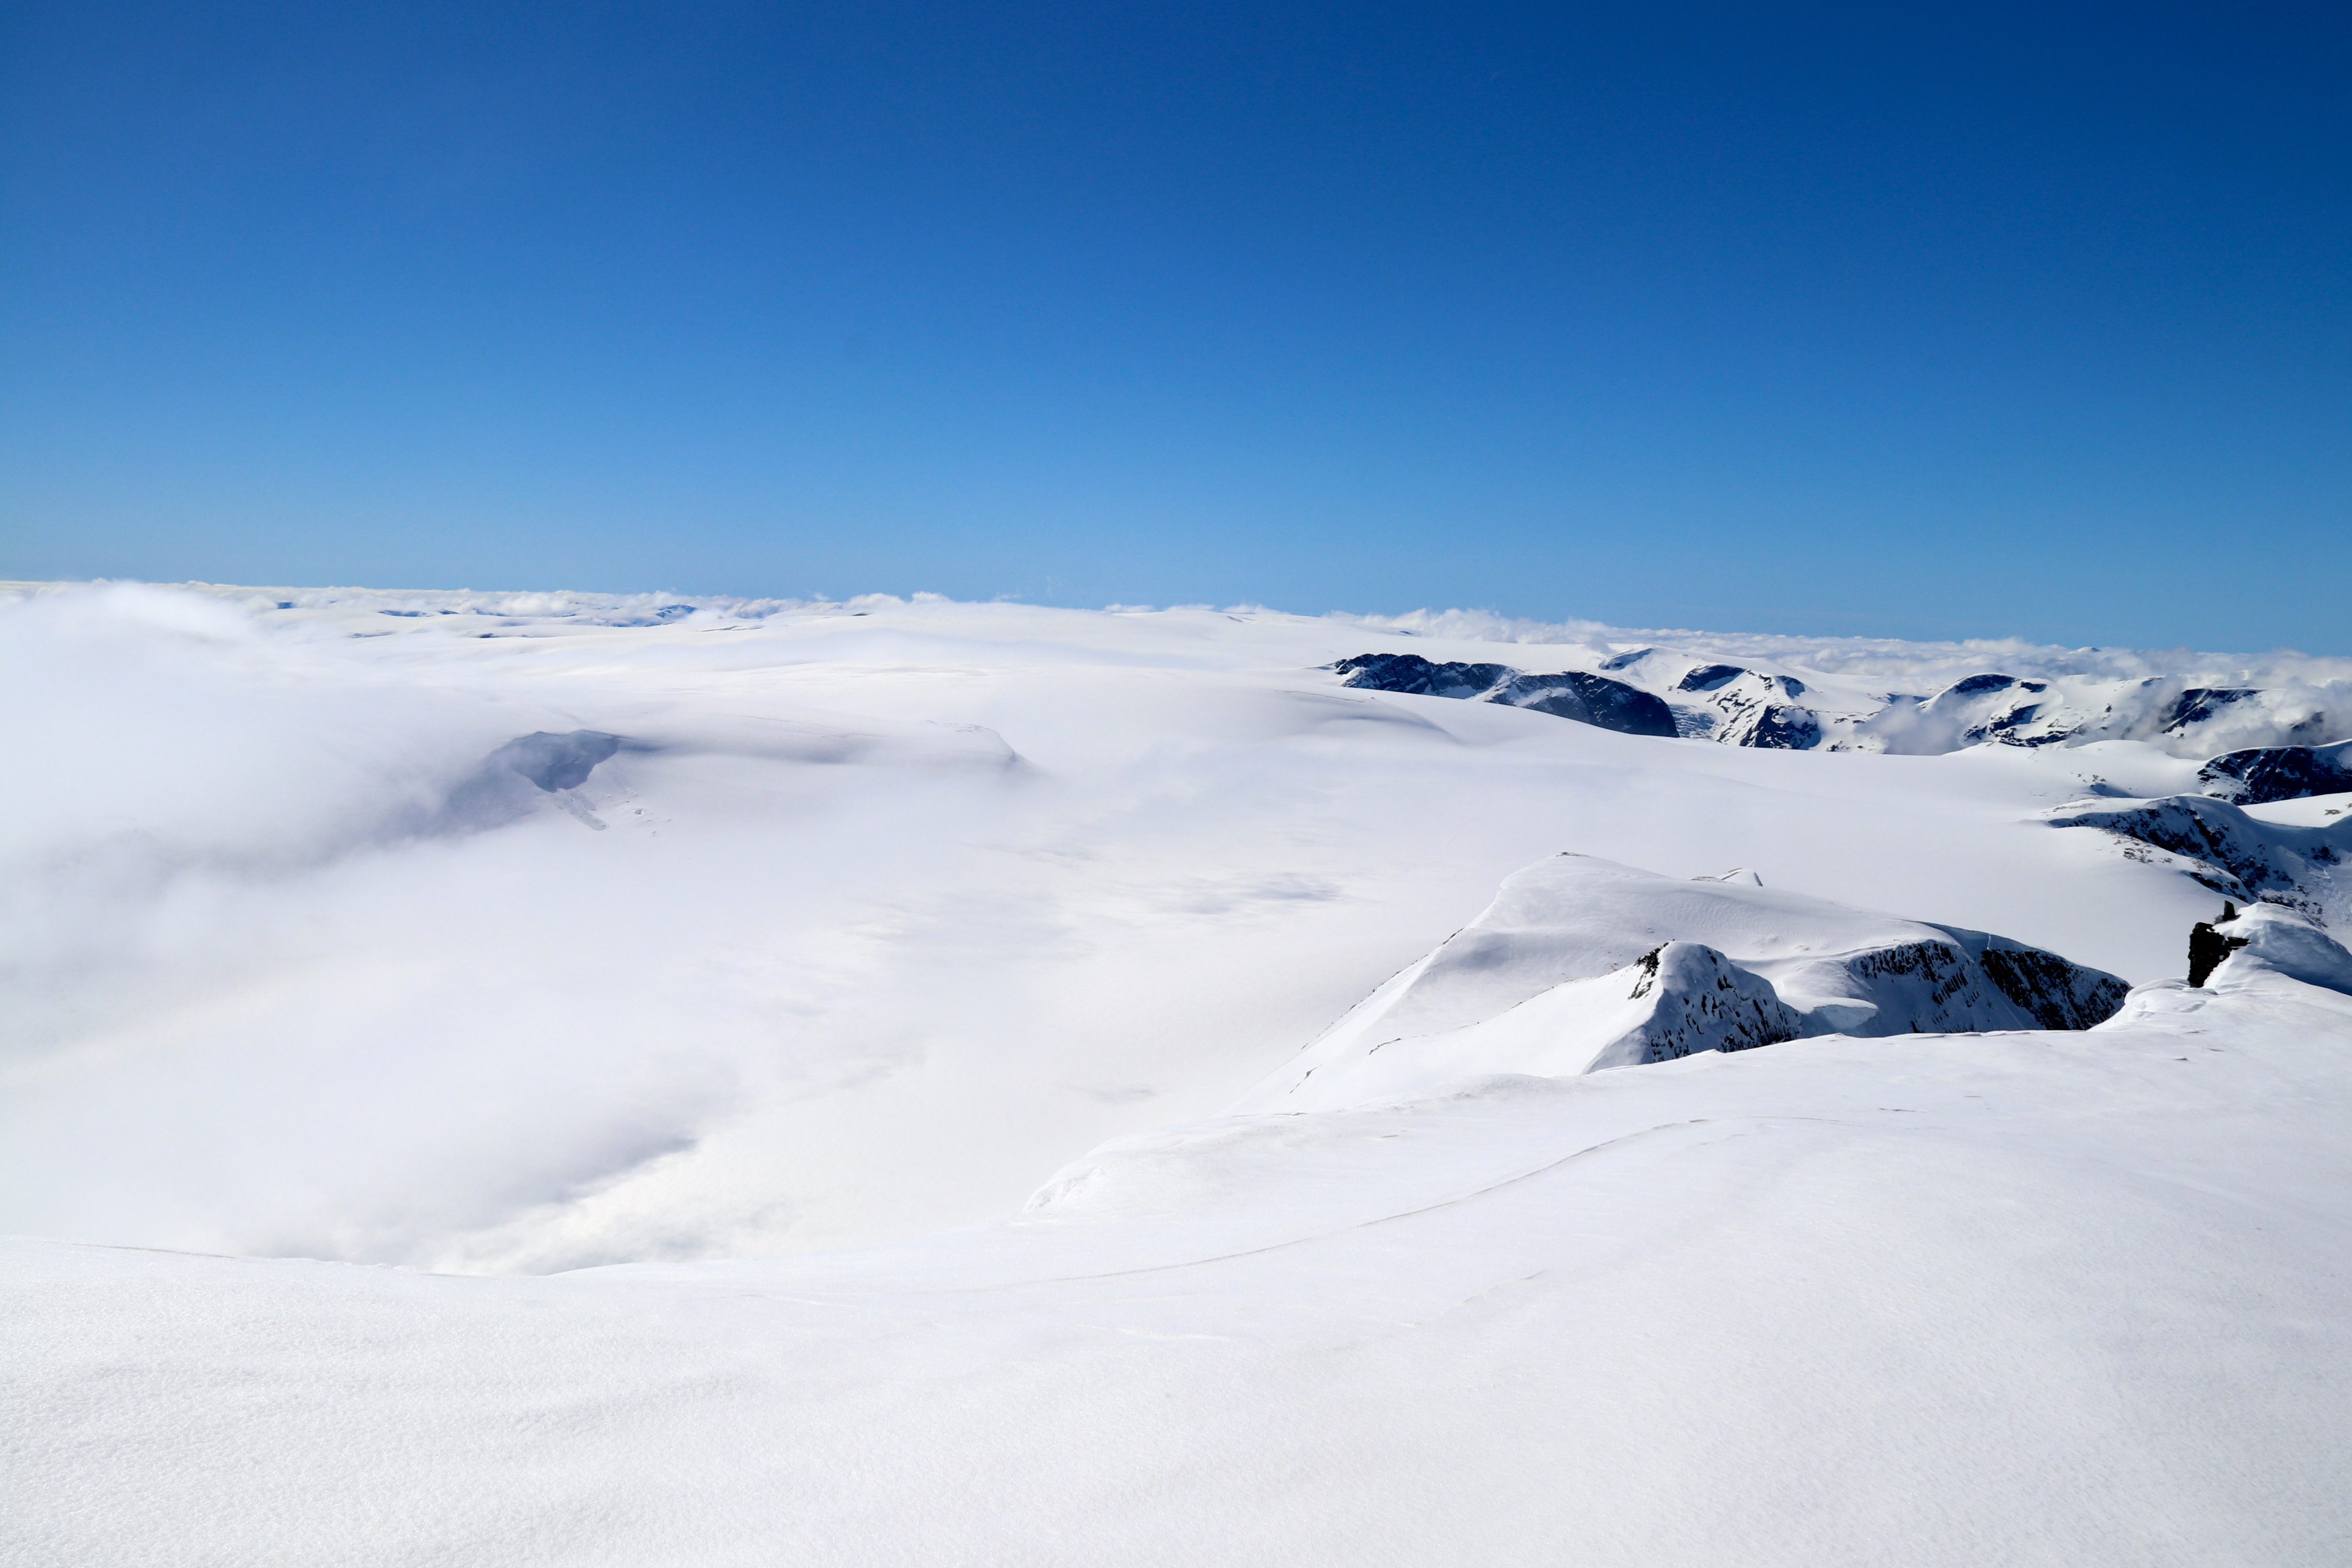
(685, 997)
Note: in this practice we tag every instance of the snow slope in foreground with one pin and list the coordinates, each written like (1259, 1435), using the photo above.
(2026, 1297)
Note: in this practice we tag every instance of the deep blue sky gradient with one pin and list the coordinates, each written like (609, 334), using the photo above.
(1907, 321)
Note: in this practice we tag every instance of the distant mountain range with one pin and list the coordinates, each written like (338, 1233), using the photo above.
(2265, 743)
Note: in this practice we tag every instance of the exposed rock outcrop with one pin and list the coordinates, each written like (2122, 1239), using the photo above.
(511, 782)
(554, 762)
(1581, 963)
(1572, 694)
(2237, 856)
(1740, 705)
(2261, 775)
(2270, 939)
(1698, 1001)
(2209, 946)
(2199, 703)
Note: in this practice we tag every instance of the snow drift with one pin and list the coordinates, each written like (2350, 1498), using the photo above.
(2270, 939)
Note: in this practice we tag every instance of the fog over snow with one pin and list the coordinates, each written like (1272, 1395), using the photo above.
(907, 1080)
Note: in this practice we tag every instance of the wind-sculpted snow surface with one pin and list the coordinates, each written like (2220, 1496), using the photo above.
(1552, 979)
(2272, 939)
(1943, 1301)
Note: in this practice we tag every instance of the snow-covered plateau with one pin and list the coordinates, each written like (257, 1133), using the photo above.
(552, 1078)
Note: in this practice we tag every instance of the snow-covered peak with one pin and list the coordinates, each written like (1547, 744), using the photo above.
(1581, 963)
(1777, 710)
(2270, 939)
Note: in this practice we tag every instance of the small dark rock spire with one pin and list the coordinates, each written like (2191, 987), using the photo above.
(2208, 947)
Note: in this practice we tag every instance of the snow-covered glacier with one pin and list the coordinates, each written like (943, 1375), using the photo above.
(573, 1079)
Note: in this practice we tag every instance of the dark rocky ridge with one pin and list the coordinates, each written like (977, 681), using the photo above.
(1411, 673)
(1573, 694)
(2237, 856)
(508, 784)
(2059, 993)
(2265, 773)
(1971, 983)
(1709, 678)
(1706, 1003)
(2199, 703)
(554, 762)
(1979, 685)
(1962, 977)
(2207, 946)
(1736, 705)
(1746, 698)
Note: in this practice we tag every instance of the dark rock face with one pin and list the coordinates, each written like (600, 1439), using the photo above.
(1738, 706)
(2207, 946)
(2199, 703)
(2006, 710)
(1706, 1003)
(2280, 941)
(1590, 698)
(1587, 698)
(1411, 673)
(1749, 708)
(1709, 678)
(2266, 774)
(1973, 981)
(2059, 993)
(1960, 983)
(506, 786)
(2237, 856)
(1779, 727)
(2009, 727)
(1941, 966)
(557, 762)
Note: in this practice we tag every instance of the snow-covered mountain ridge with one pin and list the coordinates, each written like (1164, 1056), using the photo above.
(2246, 857)
(1581, 964)
(1649, 691)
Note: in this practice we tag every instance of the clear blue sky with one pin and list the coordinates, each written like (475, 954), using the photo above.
(1891, 319)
